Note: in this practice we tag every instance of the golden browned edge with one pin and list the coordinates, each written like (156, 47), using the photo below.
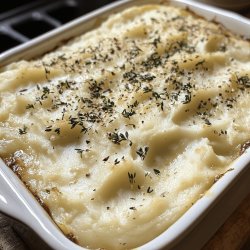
(16, 164)
(242, 150)
(244, 147)
(218, 176)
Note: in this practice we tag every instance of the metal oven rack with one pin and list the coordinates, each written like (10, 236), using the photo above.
(22, 20)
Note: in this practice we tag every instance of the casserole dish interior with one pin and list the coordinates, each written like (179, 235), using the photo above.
(13, 192)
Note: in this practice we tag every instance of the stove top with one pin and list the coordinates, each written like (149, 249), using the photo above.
(22, 20)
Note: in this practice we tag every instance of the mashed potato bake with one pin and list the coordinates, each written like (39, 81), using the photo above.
(121, 130)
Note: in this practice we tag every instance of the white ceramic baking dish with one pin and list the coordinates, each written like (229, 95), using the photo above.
(200, 222)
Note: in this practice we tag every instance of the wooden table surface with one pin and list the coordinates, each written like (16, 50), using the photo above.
(234, 234)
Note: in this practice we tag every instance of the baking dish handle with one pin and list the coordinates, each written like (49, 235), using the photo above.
(17, 202)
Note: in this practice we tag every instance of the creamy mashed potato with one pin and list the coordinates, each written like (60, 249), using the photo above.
(121, 130)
